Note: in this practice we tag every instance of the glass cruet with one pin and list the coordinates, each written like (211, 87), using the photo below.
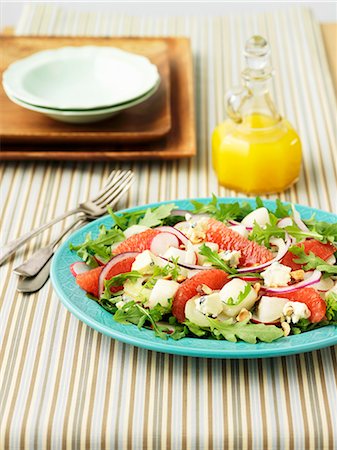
(255, 150)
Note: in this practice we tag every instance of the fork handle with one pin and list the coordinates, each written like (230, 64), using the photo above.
(35, 263)
(10, 248)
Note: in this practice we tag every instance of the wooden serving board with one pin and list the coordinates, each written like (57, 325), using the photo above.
(179, 142)
(148, 121)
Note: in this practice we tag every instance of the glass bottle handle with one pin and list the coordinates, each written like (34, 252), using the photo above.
(234, 100)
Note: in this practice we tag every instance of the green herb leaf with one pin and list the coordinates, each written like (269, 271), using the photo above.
(331, 307)
(222, 211)
(282, 209)
(311, 261)
(263, 235)
(243, 294)
(195, 329)
(214, 258)
(247, 332)
(154, 217)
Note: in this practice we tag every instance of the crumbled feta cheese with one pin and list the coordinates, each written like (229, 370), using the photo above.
(184, 256)
(209, 305)
(144, 262)
(294, 311)
(194, 229)
(162, 291)
(276, 275)
(231, 257)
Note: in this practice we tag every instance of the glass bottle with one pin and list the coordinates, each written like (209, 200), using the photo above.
(255, 150)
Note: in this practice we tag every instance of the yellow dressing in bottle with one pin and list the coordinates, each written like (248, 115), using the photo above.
(255, 150)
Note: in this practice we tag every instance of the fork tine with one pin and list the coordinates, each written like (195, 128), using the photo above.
(103, 199)
(121, 193)
(113, 177)
(116, 194)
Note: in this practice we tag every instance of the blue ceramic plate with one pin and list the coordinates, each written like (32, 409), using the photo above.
(96, 317)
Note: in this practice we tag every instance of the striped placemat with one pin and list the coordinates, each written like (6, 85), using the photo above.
(65, 386)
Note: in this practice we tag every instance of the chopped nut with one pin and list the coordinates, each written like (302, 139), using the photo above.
(197, 237)
(243, 315)
(286, 328)
(257, 287)
(168, 277)
(288, 311)
(181, 278)
(203, 289)
(297, 275)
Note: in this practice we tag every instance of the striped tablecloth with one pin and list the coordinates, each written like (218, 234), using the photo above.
(63, 385)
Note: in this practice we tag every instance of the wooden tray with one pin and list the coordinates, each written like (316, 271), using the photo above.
(180, 142)
(147, 121)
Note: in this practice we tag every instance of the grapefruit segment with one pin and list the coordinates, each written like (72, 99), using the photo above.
(323, 251)
(213, 278)
(251, 252)
(137, 242)
(311, 298)
(88, 281)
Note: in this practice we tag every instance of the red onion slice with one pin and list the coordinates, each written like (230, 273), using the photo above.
(297, 219)
(235, 223)
(285, 222)
(182, 238)
(79, 267)
(282, 250)
(314, 279)
(110, 265)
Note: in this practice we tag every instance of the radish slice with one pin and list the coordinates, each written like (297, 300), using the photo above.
(297, 219)
(163, 242)
(100, 260)
(283, 247)
(313, 279)
(79, 267)
(182, 238)
(324, 285)
(285, 222)
(109, 266)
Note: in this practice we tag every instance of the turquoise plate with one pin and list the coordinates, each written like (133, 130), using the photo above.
(96, 317)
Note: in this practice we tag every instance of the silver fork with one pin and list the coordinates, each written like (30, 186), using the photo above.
(117, 183)
(36, 269)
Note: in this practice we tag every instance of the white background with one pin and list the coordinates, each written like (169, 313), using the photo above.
(325, 11)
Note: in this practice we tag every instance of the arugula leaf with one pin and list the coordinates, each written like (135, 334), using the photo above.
(148, 217)
(118, 280)
(282, 209)
(214, 258)
(263, 235)
(222, 211)
(259, 202)
(304, 325)
(136, 314)
(311, 261)
(243, 294)
(247, 332)
(195, 329)
(100, 246)
(331, 308)
(153, 217)
(170, 268)
(327, 231)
